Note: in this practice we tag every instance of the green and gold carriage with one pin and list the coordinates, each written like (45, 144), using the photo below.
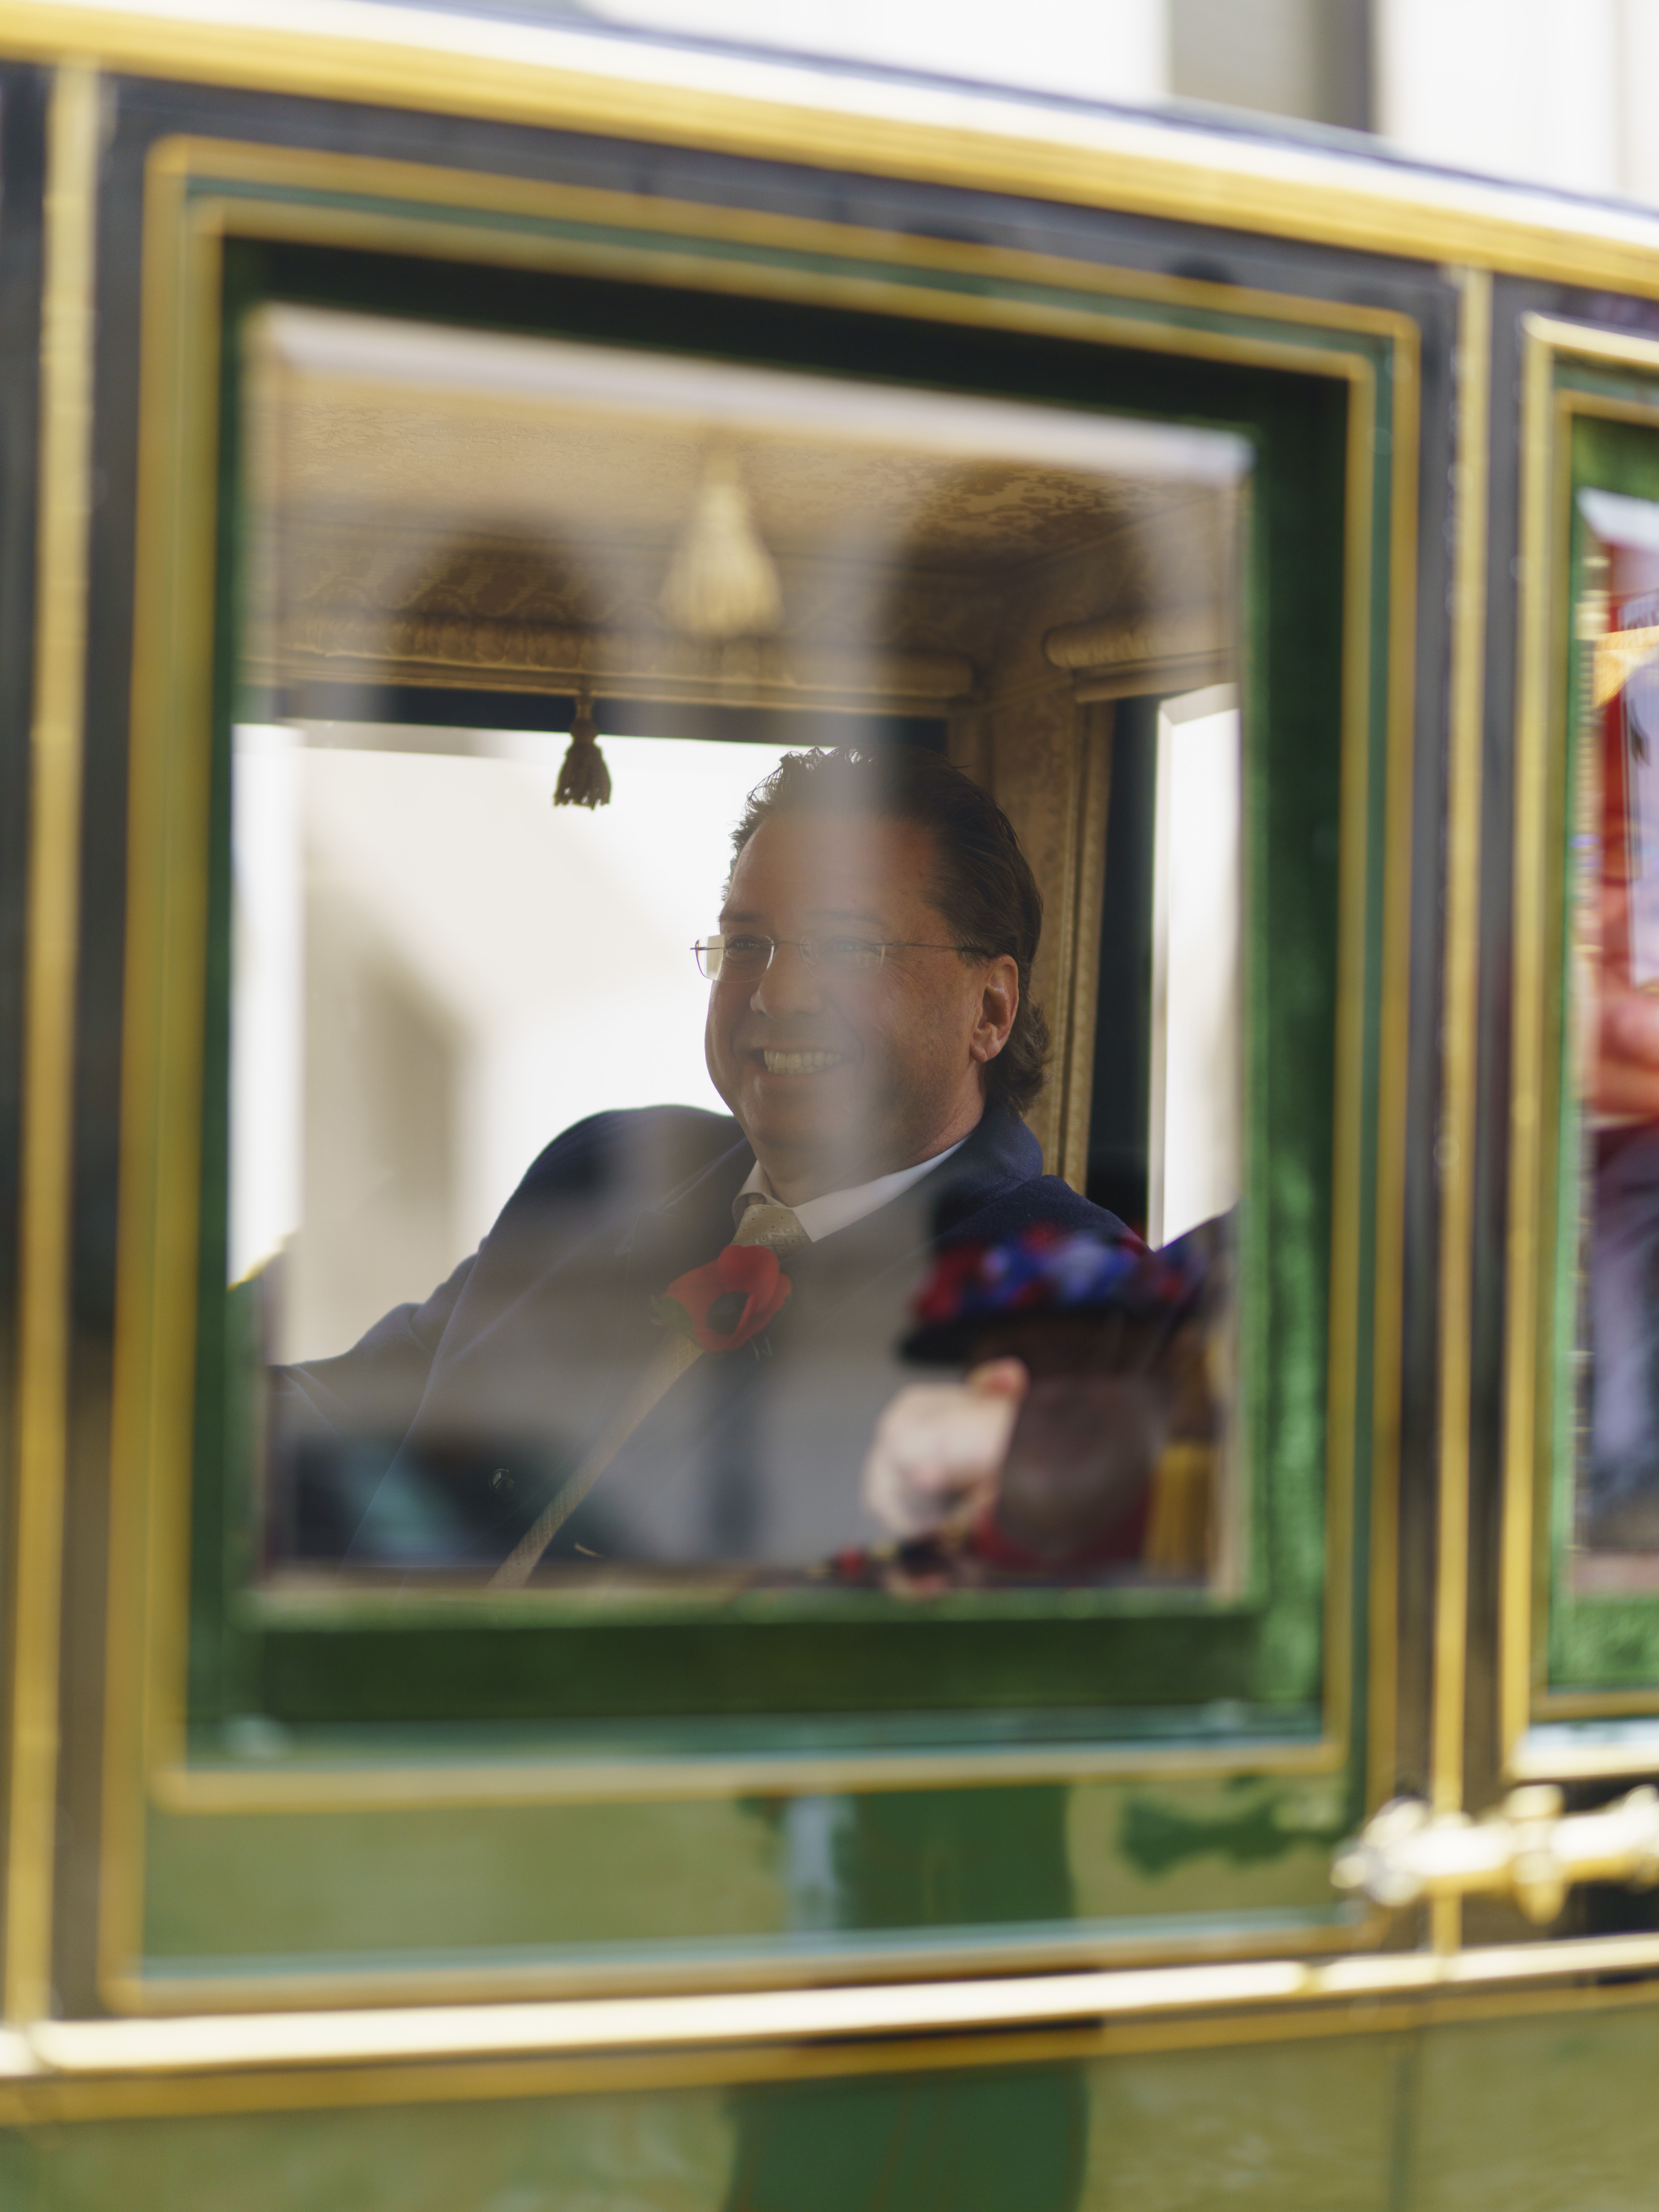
(364, 372)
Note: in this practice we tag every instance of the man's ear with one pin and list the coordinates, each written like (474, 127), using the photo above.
(999, 1003)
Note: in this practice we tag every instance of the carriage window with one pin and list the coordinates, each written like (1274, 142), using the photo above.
(1594, 1569)
(653, 980)
(1612, 1133)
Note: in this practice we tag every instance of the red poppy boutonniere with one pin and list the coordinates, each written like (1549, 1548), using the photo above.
(722, 1305)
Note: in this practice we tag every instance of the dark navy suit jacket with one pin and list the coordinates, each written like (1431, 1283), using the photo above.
(438, 1437)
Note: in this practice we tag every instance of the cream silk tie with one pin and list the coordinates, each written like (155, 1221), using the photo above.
(764, 1221)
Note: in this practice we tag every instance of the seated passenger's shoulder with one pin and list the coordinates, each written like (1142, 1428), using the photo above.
(642, 1151)
(1049, 1201)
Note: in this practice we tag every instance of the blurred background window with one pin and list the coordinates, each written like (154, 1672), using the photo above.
(1311, 59)
(1550, 92)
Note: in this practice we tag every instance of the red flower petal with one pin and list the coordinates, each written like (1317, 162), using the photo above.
(751, 1269)
(747, 1267)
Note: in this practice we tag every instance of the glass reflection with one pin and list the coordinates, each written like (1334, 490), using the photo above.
(1082, 1443)
(777, 644)
(1616, 962)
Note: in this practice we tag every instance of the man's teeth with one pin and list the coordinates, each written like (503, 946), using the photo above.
(801, 1063)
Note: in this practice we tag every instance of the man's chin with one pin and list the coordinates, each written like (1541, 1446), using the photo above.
(807, 1114)
(804, 1128)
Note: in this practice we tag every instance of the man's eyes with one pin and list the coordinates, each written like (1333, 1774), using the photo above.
(836, 951)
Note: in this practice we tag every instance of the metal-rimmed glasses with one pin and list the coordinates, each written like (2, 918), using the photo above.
(749, 955)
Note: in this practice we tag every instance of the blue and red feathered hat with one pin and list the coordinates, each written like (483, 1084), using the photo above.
(972, 1288)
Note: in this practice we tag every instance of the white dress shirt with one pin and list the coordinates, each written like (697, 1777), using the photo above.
(840, 1209)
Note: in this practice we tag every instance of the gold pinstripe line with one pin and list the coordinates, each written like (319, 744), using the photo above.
(49, 1032)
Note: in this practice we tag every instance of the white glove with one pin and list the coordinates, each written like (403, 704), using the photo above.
(939, 1449)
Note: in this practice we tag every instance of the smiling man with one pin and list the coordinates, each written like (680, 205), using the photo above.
(860, 1045)
(673, 1345)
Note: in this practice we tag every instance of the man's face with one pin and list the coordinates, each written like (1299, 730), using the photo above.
(835, 1076)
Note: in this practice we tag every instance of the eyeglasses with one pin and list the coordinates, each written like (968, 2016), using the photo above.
(750, 956)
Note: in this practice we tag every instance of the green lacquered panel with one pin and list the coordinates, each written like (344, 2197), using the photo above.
(596, 1886)
(1545, 2115)
(663, 2154)
(1292, 2127)
(1284, 2127)
(1550, 2115)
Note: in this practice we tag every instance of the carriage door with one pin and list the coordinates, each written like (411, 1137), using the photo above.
(505, 1600)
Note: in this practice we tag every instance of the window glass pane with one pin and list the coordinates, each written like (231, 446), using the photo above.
(1597, 1535)
(1193, 1164)
(1119, 1095)
(1164, 1120)
(411, 915)
(1615, 1526)
(621, 1209)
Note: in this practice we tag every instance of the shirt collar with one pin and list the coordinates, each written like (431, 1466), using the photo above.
(840, 1209)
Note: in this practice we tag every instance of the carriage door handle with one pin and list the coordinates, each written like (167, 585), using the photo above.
(1527, 1849)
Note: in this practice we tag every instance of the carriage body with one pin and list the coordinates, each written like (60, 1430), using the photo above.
(470, 1897)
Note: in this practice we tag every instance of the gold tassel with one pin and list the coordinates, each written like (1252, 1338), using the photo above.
(721, 581)
(584, 780)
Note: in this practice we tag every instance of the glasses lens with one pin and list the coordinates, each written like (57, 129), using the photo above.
(708, 950)
(848, 956)
(742, 956)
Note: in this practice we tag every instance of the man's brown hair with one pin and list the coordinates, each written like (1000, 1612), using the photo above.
(982, 883)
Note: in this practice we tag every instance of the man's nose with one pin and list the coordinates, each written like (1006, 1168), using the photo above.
(787, 986)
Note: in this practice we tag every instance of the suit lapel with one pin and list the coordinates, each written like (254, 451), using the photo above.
(720, 1423)
(692, 1225)
(688, 1228)
(901, 1237)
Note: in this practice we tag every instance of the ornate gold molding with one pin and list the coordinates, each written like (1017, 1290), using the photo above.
(339, 645)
